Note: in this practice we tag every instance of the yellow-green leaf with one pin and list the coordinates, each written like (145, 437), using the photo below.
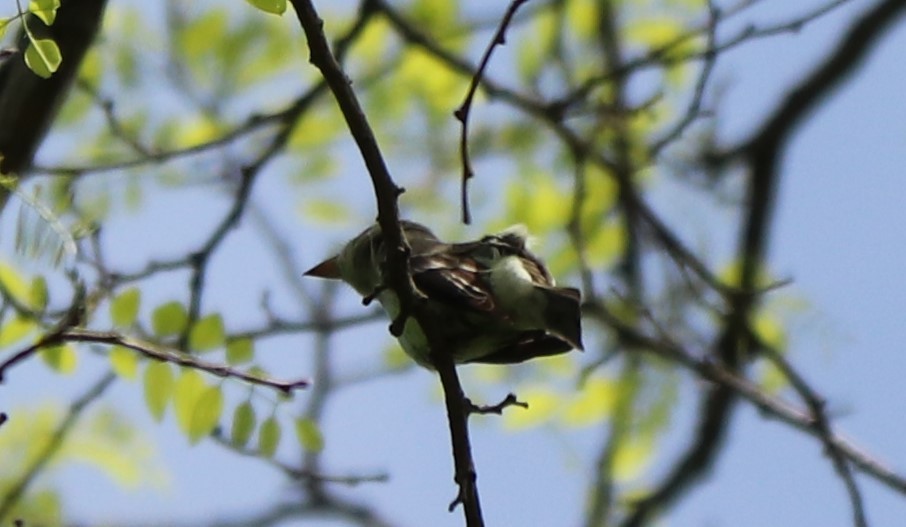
(38, 293)
(206, 414)
(124, 362)
(631, 458)
(243, 424)
(124, 308)
(269, 437)
(207, 333)
(15, 283)
(169, 319)
(4, 23)
(542, 404)
(275, 7)
(46, 10)
(309, 435)
(15, 329)
(61, 358)
(240, 350)
(43, 57)
(158, 388)
(593, 403)
(329, 212)
(187, 391)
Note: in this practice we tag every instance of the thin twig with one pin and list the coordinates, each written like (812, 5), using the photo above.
(462, 113)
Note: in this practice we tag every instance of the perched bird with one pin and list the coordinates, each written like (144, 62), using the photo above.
(491, 300)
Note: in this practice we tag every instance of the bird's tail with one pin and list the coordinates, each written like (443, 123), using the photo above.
(563, 313)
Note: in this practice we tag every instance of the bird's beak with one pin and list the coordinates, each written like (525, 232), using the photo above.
(326, 269)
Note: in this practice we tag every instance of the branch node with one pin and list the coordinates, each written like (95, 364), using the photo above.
(509, 400)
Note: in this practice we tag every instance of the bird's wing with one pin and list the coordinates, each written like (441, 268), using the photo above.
(528, 345)
(453, 279)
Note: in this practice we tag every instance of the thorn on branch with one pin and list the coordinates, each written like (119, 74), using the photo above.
(456, 501)
(509, 400)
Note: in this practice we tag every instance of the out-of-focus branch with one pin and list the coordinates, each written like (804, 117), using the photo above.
(816, 405)
(707, 369)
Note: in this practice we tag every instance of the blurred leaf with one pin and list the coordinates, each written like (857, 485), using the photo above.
(206, 414)
(158, 388)
(38, 295)
(207, 334)
(593, 404)
(15, 329)
(543, 403)
(4, 23)
(203, 34)
(15, 283)
(124, 308)
(191, 132)
(535, 200)
(269, 437)
(42, 56)
(631, 458)
(46, 10)
(769, 330)
(61, 358)
(328, 212)
(124, 362)
(243, 424)
(583, 18)
(240, 350)
(309, 435)
(276, 7)
(187, 391)
(429, 79)
(169, 319)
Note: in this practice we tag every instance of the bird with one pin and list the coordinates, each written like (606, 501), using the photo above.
(491, 300)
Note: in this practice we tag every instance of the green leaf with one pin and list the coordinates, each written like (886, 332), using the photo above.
(207, 333)
(169, 319)
(38, 293)
(4, 23)
(124, 362)
(243, 424)
(61, 358)
(15, 330)
(43, 57)
(269, 437)
(631, 458)
(240, 350)
(543, 403)
(593, 403)
(15, 283)
(186, 393)
(275, 7)
(206, 414)
(309, 435)
(158, 388)
(46, 10)
(124, 308)
(327, 212)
